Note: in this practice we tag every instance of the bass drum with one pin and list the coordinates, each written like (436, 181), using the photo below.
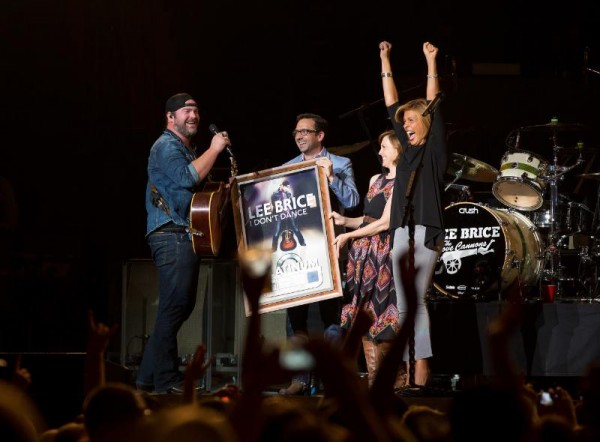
(484, 245)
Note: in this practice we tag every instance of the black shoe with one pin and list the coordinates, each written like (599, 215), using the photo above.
(178, 389)
(145, 388)
(175, 389)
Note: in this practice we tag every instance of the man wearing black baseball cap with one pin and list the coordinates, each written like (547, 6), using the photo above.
(175, 172)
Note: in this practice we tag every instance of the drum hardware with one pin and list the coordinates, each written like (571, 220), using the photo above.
(464, 192)
(552, 174)
(577, 278)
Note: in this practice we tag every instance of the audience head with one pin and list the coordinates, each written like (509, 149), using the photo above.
(426, 423)
(590, 394)
(113, 412)
(188, 423)
(20, 420)
(289, 420)
(489, 413)
(554, 428)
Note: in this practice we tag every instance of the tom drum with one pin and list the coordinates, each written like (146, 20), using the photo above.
(485, 245)
(520, 183)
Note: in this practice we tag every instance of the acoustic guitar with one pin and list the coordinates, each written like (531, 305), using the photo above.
(207, 214)
(287, 241)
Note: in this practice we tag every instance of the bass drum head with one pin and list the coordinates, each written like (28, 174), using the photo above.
(484, 246)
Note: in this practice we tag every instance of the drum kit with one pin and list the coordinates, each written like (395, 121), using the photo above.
(537, 238)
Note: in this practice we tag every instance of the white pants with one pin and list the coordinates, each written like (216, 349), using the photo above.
(425, 260)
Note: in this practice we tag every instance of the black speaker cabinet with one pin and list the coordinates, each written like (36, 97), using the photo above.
(217, 320)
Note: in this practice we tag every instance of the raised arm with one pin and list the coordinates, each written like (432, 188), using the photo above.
(433, 81)
(99, 336)
(390, 93)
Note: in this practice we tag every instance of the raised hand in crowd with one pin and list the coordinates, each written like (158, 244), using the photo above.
(259, 367)
(556, 401)
(21, 375)
(194, 372)
(342, 388)
(99, 336)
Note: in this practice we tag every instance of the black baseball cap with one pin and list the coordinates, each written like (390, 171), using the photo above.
(178, 101)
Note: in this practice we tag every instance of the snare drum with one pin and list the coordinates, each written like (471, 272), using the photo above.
(543, 219)
(520, 183)
(483, 246)
(569, 217)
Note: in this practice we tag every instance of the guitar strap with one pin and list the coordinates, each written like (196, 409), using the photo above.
(158, 200)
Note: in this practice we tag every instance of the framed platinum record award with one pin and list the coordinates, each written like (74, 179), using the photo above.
(285, 210)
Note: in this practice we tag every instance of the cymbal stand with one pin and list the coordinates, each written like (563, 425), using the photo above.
(457, 176)
(551, 276)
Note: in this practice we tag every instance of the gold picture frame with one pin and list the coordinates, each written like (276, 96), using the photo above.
(286, 210)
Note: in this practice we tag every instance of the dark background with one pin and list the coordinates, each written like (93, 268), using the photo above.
(84, 85)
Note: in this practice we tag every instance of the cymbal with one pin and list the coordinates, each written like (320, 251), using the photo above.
(554, 126)
(590, 176)
(348, 148)
(577, 149)
(471, 169)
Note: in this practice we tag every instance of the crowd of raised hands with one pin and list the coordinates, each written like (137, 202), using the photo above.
(504, 409)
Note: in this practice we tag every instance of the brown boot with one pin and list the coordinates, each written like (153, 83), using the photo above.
(383, 348)
(370, 351)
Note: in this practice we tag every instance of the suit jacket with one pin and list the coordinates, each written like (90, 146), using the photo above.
(343, 186)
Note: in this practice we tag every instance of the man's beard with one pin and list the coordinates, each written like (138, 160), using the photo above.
(183, 130)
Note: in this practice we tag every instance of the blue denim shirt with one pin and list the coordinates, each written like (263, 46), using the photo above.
(343, 185)
(175, 178)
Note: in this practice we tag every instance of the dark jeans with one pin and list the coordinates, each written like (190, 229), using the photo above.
(332, 332)
(330, 311)
(178, 268)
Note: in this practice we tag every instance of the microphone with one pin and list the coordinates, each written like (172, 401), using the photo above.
(518, 140)
(433, 104)
(213, 129)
